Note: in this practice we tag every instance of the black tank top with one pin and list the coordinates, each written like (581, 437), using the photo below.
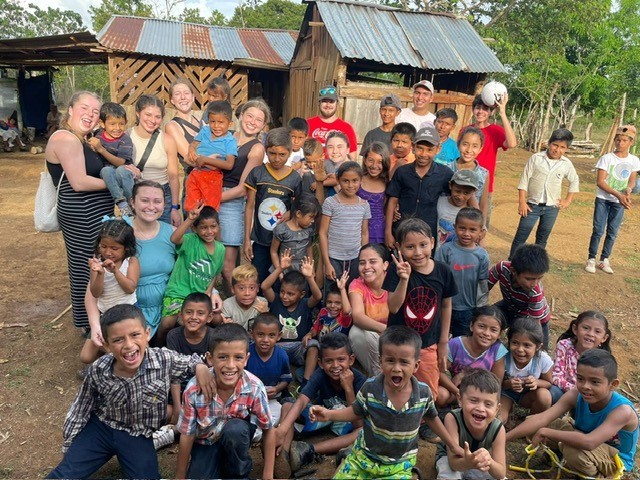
(188, 130)
(232, 177)
(92, 162)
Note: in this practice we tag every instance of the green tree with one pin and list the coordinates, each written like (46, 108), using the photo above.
(280, 14)
(17, 21)
(101, 14)
(193, 15)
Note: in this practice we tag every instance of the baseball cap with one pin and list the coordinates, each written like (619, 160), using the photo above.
(425, 84)
(391, 100)
(628, 130)
(428, 134)
(329, 93)
(466, 178)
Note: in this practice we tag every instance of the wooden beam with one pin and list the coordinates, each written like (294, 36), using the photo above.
(316, 24)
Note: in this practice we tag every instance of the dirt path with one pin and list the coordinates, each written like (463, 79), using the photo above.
(38, 362)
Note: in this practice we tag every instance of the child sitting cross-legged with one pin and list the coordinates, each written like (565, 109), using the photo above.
(392, 406)
(334, 385)
(216, 435)
(477, 430)
(294, 310)
(605, 422)
(269, 362)
(245, 304)
(123, 400)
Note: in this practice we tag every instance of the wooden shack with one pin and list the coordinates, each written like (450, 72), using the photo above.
(146, 55)
(367, 50)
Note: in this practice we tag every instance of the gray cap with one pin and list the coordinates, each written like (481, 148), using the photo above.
(329, 93)
(391, 100)
(466, 178)
(424, 84)
(427, 134)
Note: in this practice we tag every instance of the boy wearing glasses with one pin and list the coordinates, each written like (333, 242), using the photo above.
(321, 125)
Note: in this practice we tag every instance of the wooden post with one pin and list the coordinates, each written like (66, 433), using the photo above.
(112, 81)
(623, 107)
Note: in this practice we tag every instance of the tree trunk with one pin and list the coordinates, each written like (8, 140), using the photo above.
(623, 107)
(547, 115)
(587, 132)
(573, 113)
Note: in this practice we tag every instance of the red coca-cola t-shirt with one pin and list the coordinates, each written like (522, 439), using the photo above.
(319, 129)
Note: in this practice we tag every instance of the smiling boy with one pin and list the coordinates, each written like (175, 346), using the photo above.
(123, 400)
(216, 435)
(392, 406)
(389, 109)
(416, 188)
(606, 423)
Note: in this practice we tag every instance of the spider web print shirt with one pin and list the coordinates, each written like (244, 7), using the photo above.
(423, 304)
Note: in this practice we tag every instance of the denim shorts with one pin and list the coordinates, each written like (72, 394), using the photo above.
(232, 221)
(516, 397)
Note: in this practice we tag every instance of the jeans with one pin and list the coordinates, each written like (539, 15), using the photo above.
(166, 213)
(228, 457)
(119, 181)
(261, 260)
(97, 443)
(546, 214)
(460, 323)
(606, 214)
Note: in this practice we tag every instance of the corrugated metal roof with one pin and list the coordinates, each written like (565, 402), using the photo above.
(169, 38)
(393, 37)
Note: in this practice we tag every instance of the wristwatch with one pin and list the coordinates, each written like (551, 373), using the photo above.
(175, 207)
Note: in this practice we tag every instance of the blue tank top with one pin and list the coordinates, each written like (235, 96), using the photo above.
(587, 421)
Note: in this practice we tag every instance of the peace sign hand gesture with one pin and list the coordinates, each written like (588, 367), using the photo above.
(402, 268)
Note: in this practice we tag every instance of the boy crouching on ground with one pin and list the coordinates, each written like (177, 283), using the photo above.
(217, 434)
(123, 399)
(477, 430)
(392, 406)
(606, 423)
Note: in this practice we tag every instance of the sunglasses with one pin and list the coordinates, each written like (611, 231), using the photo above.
(328, 91)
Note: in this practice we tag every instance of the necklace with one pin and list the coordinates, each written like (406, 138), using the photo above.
(145, 234)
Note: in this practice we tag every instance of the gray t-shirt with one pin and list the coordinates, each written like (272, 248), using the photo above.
(345, 226)
(296, 240)
(376, 135)
(231, 309)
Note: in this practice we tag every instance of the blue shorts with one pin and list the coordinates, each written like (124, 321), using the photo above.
(516, 397)
(231, 216)
(296, 352)
(339, 428)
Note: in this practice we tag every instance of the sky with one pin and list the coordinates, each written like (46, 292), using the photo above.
(82, 6)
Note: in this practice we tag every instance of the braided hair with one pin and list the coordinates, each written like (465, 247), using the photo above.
(119, 231)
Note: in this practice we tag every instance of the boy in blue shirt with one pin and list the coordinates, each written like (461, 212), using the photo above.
(123, 400)
(606, 423)
(334, 385)
(446, 119)
(269, 362)
(469, 264)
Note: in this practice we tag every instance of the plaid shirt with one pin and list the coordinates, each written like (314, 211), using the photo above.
(137, 405)
(527, 304)
(205, 420)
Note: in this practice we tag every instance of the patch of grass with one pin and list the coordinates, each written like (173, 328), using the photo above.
(566, 273)
(6, 472)
(634, 260)
(22, 371)
(634, 284)
(14, 383)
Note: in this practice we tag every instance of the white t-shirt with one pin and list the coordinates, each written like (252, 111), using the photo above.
(618, 172)
(418, 121)
(538, 365)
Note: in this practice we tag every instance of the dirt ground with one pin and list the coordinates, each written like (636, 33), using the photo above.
(39, 356)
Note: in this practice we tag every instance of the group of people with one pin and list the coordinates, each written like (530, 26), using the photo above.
(380, 261)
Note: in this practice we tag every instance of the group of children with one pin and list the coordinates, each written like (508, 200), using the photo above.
(435, 341)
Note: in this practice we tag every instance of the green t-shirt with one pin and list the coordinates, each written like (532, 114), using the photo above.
(195, 267)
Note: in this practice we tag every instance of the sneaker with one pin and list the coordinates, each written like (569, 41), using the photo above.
(83, 372)
(604, 266)
(125, 209)
(427, 434)
(281, 467)
(591, 265)
(163, 437)
(301, 454)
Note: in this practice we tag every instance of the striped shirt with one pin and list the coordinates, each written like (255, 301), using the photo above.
(391, 436)
(205, 419)
(137, 405)
(345, 226)
(522, 303)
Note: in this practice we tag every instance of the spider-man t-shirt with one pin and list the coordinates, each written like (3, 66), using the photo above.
(423, 303)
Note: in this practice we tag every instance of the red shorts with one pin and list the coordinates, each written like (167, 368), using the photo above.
(203, 185)
(428, 371)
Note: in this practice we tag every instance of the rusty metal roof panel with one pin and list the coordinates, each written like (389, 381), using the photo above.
(227, 44)
(434, 41)
(367, 33)
(283, 43)
(459, 47)
(121, 33)
(258, 47)
(196, 42)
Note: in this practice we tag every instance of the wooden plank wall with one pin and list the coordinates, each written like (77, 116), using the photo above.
(132, 75)
(362, 104)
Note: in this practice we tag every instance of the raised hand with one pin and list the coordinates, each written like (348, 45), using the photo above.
(195, 212)
(402, 268)
(342, 281)
(285, 259)
(307, 267)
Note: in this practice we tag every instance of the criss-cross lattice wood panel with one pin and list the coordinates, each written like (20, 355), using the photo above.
(132, 75)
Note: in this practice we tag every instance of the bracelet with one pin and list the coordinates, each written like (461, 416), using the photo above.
(175, 207)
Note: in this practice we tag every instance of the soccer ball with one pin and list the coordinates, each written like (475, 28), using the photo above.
(492, 92)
